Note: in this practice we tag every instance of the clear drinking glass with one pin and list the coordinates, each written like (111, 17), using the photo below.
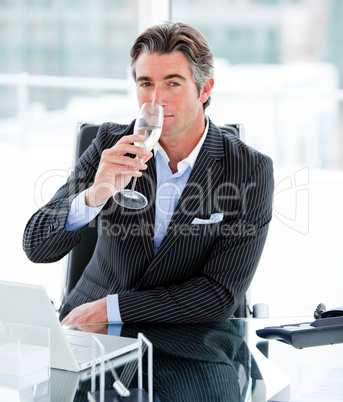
(149, 123)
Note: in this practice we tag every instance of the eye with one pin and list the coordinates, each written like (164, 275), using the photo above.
(174, 84)
(145, 84)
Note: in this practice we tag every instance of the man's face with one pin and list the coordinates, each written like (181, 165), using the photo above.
(167, 80)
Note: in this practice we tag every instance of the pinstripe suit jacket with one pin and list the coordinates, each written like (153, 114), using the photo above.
(201, 271)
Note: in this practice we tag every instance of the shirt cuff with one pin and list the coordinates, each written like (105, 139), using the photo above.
(114, 329)
(81, 214)
(113, 312)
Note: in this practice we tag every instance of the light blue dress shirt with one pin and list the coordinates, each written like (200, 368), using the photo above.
(169, 188)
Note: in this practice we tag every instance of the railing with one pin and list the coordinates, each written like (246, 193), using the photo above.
(23, 82)
(286, 130)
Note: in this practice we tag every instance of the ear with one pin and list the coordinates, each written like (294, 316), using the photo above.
(206, 91)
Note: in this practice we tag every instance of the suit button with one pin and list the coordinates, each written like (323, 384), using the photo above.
(53, 226)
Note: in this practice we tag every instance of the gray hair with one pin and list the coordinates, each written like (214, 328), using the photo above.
(172, 37)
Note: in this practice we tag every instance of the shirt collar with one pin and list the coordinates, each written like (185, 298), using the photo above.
(191, 158)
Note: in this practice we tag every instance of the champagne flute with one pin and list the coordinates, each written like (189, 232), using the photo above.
(149, 123)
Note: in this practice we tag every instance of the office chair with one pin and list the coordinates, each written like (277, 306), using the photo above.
(81, 254)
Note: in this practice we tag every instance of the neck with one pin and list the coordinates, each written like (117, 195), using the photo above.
(178, 148)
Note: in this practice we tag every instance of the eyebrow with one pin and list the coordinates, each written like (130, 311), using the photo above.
(168, 77)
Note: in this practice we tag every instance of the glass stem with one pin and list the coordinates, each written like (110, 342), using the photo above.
(135, 179)
(133, 184)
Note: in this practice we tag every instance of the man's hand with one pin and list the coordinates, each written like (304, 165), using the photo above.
(88, 313)
(116, 169)
(94, 328)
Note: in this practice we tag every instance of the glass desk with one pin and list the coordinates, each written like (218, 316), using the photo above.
(290, 374)
(194, 362)
(219, 361)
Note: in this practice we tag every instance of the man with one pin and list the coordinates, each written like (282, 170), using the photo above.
(191, 254)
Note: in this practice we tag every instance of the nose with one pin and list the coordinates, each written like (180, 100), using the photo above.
(158, 96)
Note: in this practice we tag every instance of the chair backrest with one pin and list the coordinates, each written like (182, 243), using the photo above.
(81, 254)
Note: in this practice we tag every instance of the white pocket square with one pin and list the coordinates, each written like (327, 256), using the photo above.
(214, 218)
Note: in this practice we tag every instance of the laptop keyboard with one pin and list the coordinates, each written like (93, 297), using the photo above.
(81, 350)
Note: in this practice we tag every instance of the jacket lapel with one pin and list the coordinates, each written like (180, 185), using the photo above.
(195, 199)
(146, 184)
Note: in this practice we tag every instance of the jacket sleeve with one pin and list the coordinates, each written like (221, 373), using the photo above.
(227, 271)
(45, 237)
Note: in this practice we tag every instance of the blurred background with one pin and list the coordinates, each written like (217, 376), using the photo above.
(278, 71)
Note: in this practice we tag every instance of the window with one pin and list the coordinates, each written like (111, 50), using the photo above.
(285, 85)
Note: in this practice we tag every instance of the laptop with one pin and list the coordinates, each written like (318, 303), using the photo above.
(70, 350)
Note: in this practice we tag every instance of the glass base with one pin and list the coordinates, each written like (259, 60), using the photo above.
(130, 199)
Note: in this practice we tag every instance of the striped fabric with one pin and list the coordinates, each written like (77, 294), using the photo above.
(203, 362)
(200, 272)
(207, 362)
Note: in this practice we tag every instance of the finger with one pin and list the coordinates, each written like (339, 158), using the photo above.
(70, 318)
(130, 139)
(120, 162)
(146, 158)
(123, 149)
(65, 320)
